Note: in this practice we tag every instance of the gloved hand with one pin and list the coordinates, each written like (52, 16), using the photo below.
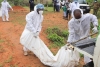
(95, 29)
(66, 46)
(12, 9)
(36, 34)
(69, 46)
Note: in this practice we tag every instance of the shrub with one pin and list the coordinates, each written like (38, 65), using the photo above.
(57, 36)
(65, 34)
(99, 29)
(49, 31)
(81, 55)
(56, 30)
(16, 2)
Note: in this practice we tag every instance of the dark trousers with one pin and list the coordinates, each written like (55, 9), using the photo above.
(31, 7)
(68, 14)
(57, 8)
(54, 7)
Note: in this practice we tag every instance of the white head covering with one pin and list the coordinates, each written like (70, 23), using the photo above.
(81, 14)
(39, 6)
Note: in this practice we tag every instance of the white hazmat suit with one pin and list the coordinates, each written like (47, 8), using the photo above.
(74, 5)
(34, 21)
(64, 58)
(81, 28)
(4, 8)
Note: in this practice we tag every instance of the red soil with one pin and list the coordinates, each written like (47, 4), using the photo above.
(11, 53)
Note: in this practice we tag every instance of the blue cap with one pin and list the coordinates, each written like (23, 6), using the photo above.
(40, 6)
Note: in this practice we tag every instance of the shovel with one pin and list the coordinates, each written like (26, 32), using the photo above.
(72, 47)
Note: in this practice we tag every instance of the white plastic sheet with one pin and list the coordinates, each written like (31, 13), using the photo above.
(64, 58)
(96, 56)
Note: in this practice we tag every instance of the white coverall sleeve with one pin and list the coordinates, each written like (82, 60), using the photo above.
(29, 20)
(40, 26)
(71, 32)
(9, 6)
(39, 29)
(94, 20)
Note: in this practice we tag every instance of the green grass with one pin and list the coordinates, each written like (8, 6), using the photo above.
(57, 37)
(98, 15)
(9, 59)
(1, 49)
(99, 21)
(27, 8)
(81, 55)
(1, 64)
(1, 41)
(49, 9)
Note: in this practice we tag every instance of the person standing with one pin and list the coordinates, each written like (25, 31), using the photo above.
(64, 11)
(68, 13)
(74, 5)
(33, 27)
(5, 8)
(58, 5)
(96, 6)
(62, 3)
(54, 5)
(31, 2)
(79, 27)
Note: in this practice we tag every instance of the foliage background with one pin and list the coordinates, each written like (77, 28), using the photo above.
(26, 3)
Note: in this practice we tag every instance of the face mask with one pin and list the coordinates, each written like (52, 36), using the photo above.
(40, 12)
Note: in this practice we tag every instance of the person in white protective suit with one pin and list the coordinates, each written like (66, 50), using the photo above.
(34, 20)
(74, 5)
(4, 8)
(31, 41)
(79, 27)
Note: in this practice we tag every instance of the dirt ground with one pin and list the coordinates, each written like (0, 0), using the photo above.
(11, 53)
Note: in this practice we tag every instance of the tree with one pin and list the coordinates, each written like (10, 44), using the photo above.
(16, 2)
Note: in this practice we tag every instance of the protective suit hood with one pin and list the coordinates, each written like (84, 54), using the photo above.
(39, 6)
(80, 18)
